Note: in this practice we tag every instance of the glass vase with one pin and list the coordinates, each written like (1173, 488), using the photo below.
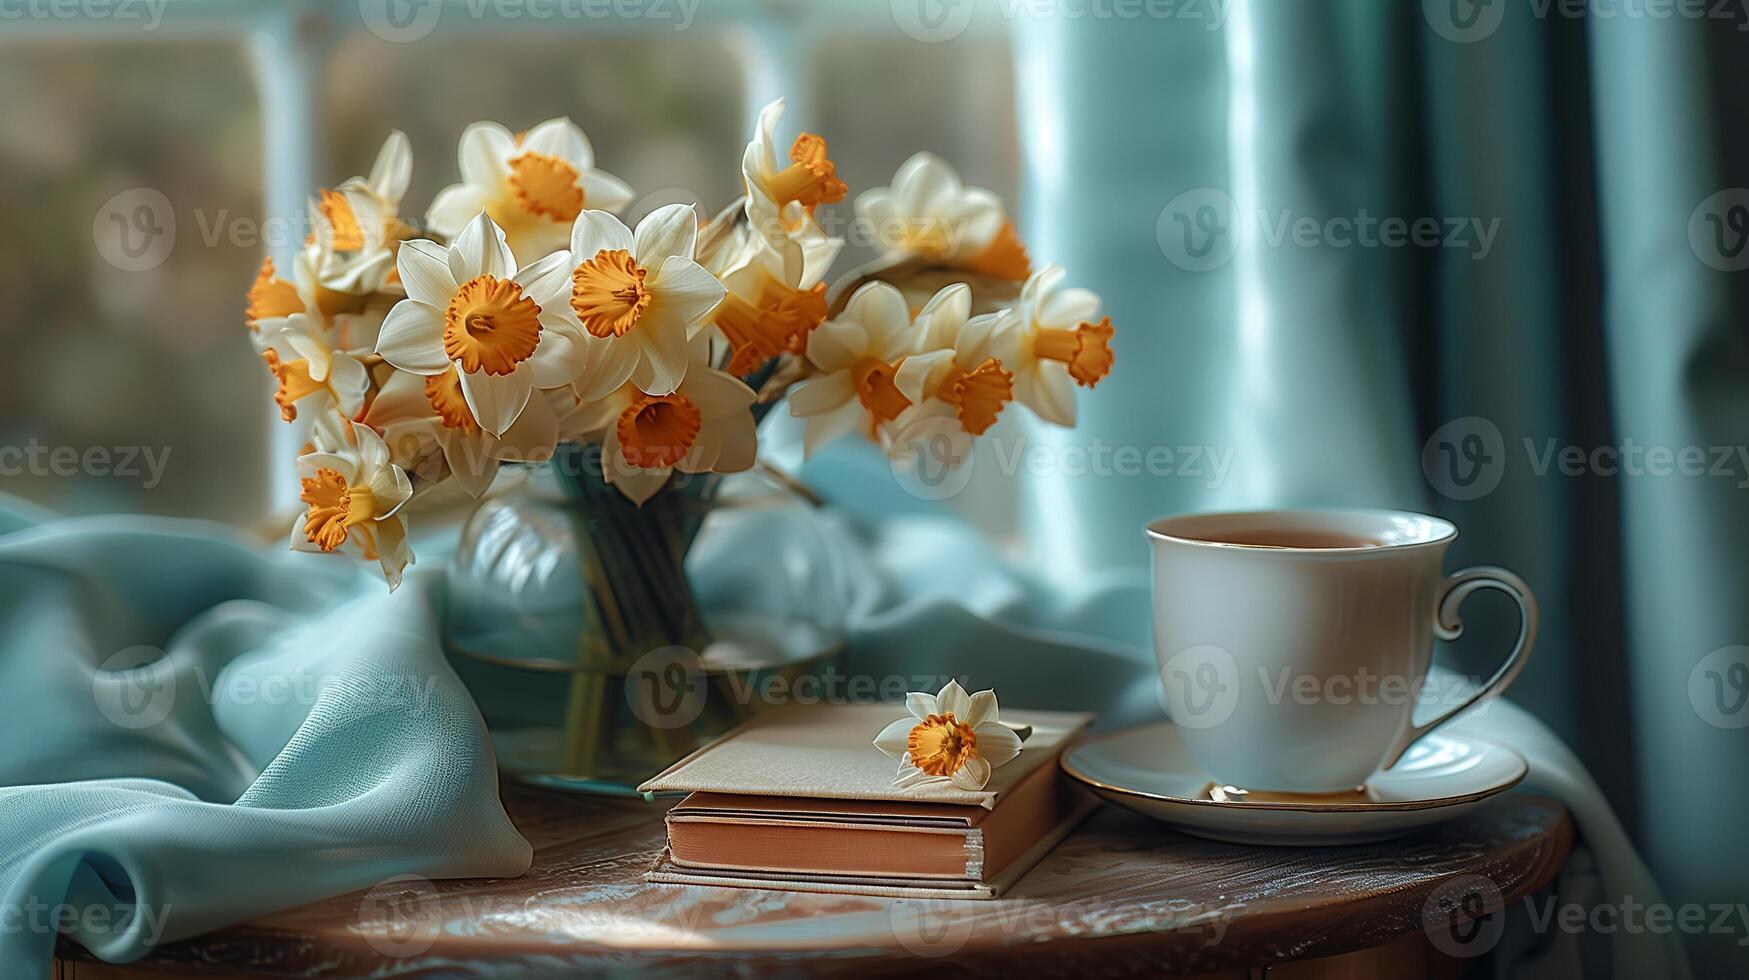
(603, 640)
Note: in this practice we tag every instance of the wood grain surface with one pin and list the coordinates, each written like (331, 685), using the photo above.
(1123, 896)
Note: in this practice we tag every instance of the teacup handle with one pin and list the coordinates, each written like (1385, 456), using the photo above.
(1448, 625)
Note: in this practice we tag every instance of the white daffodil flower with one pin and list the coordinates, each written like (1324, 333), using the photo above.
(422, 414)
(704, 426)
(639, 296)
(307, 370)
(1052, 340)
(772, 304)
(355, 228)
(783, 193)
(470, 311)
(857, 356)
(928, 212)
(533, 184)
(950, 736)
(956, 376)
(353, 496)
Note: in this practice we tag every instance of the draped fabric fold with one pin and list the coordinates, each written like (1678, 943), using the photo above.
(201, 733)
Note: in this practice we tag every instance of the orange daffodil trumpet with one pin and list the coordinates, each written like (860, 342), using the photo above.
(529, 317)
(950, 737)
(533, 184)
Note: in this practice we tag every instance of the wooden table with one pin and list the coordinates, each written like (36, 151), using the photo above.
(1122, 896)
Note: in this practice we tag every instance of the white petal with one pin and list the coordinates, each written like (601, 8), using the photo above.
(667, 231)
(412, 338)
(596, 231)
(953, 700)
(533, 436)
(453, 208)
(997, 743)
(425, 272)
(915, 373)
(821, 394)
(683, 287)
(604, 191)
(349, 380)
(559, 355)
(894, 739)
(836, 344)
(1052, 393)
(547, 281)
(973, 775)
(662, 353)
(480, 250)
(309, 463)
(1067, 307)
(923, 183)
(473, 467)
(402, 397)
(485, 148)
(980, 708)
(561, 138)
(610, 364)
(922, 704)
(497, 399)
(393, 168)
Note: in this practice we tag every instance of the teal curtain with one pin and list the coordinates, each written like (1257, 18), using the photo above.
(1580, 295)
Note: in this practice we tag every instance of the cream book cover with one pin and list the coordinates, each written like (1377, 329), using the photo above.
(827, 751)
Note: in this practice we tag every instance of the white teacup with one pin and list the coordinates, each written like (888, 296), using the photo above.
(1293, 645)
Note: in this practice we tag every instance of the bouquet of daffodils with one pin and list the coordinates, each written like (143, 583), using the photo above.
(524, 316)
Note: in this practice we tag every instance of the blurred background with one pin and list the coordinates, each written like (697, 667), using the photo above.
(1461, 256)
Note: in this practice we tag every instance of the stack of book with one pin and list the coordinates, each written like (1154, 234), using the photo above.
(801, 799)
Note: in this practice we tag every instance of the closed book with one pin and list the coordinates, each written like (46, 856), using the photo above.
(801, 800)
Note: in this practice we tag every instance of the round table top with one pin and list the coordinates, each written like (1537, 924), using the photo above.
(1122, 893)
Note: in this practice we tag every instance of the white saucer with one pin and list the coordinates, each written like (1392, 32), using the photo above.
(1150, 770)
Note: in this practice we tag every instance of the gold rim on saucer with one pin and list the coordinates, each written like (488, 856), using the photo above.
(1304, 806)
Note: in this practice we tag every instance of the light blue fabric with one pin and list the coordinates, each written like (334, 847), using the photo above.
(295, 734)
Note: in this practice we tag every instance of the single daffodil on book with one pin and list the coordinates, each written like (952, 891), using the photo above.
(950, 736)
